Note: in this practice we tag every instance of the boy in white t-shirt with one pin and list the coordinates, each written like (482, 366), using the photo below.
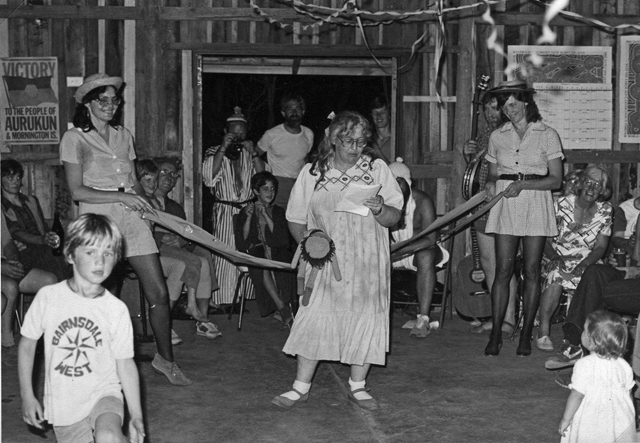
(88, 344)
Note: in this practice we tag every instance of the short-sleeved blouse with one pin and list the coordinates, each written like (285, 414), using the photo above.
(530, 155)
(105, 165)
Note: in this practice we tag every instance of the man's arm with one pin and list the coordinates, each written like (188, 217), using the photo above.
(31, 408)
(128, 375)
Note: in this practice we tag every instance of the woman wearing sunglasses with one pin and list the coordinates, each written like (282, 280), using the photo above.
(98, 159)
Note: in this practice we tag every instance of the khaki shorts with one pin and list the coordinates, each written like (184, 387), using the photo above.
(138, 239)
(82, 431)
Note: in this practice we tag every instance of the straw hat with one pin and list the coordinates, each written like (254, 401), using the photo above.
(95, 81)
(512, 86)
(400, 170)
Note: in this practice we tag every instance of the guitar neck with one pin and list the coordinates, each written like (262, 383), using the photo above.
(475, 251)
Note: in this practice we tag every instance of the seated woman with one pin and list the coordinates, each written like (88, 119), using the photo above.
(584, 225)
(261, 230)
(26, 224)
(197, 274)
(16, 279)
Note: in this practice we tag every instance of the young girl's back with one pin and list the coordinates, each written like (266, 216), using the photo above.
(606, 413)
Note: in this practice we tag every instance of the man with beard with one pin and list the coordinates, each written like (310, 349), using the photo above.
(287, 146)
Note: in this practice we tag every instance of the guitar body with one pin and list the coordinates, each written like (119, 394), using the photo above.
(471, 298)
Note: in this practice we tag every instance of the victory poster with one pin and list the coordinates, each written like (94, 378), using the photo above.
(29, 113)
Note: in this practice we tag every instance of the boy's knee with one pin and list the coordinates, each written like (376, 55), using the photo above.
(109, 436)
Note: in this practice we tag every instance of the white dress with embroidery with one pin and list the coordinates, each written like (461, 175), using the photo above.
(346, 320)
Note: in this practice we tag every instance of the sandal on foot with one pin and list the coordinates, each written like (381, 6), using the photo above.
(370, 404)
(508, 328)
(287, 403)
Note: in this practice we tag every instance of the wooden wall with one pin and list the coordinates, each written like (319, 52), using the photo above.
(153, 44)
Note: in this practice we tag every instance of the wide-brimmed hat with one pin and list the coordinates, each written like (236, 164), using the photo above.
(95, 81)
(511, 86)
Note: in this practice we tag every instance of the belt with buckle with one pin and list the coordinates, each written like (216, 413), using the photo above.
(519, 177)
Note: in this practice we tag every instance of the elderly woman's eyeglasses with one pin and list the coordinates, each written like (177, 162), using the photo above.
(106, 101)
(360, 143)
(171, 174)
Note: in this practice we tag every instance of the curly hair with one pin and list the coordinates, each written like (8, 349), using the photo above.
(532, 114)
(342, 125)
(608, 333)
(82, 118)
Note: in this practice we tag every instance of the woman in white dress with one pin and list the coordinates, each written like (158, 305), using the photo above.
(346, 319)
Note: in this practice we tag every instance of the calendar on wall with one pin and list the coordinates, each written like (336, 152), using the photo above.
(574, 91)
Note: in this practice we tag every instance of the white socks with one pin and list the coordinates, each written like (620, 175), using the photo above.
(362, 395)
(299, 386)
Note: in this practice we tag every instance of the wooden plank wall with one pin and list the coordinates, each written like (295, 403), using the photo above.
(149, 41)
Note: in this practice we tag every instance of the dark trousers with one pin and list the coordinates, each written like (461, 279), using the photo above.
(601, 287)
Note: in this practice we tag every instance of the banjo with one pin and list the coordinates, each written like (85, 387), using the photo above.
(470, 178)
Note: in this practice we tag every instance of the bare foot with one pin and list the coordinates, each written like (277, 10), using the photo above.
(196, 314)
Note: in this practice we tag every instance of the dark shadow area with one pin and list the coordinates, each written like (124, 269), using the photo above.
(259, 97)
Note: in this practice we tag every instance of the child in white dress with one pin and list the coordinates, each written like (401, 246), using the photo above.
(599, 408)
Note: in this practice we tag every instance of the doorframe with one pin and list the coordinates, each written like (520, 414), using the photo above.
(191, 110)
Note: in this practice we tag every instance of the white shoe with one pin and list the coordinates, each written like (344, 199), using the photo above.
(544, 343)
(422, 327)
(207, 329)
(175, 338)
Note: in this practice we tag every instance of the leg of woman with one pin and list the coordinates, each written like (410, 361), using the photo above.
(36, 279)
(301, 387)
(203, 291)
(270, 285)
(149, 272)
(532, 253)
(357, 389)
(548, 303)
(10, 292)
(506, 249)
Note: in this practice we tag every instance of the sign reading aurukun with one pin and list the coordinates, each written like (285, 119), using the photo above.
(29, 113)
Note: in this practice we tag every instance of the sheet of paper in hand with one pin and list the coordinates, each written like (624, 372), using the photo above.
(355, 195)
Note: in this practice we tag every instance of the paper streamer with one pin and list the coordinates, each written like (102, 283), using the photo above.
(403, 249)
(199, 235)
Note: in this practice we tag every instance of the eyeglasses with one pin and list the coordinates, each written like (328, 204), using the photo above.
(360, 143)
(106, 101)
(171, 174)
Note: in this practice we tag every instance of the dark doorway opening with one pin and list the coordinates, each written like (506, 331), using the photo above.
(259, 97)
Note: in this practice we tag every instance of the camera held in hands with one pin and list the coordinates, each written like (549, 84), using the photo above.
(233, 150)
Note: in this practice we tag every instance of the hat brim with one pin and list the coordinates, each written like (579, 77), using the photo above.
(87, 87)
(510, 90)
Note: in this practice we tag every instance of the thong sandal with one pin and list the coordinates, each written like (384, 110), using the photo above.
(508, 328)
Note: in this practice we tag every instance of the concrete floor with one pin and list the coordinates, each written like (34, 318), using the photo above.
(439, 389)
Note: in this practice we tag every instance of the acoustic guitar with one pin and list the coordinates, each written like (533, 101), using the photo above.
(471, 296)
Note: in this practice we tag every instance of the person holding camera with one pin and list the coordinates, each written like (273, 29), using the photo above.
(227, 171)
